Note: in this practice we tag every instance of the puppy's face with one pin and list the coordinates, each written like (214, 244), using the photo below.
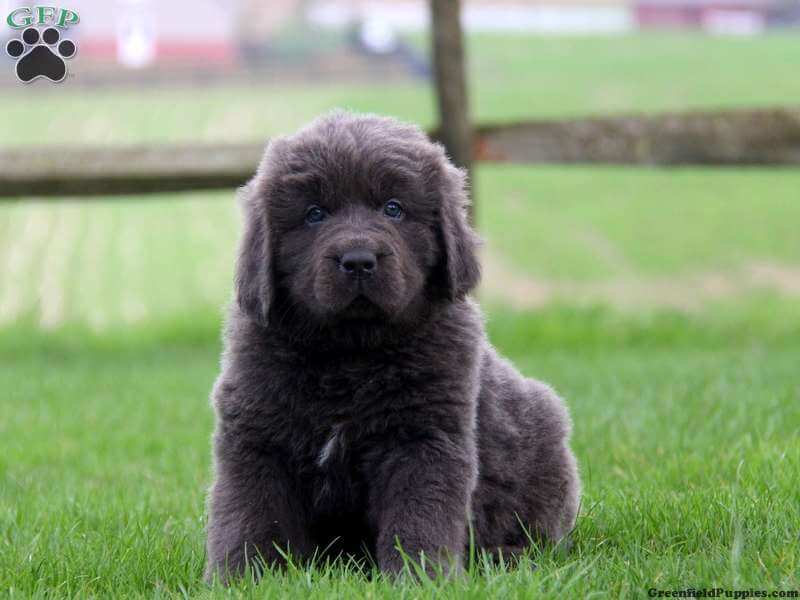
(355, 237)
(356, 218)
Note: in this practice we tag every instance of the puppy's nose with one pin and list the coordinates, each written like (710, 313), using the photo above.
(358, 262)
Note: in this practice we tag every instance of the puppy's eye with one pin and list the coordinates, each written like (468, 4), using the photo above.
(393, 209)
(315, 214)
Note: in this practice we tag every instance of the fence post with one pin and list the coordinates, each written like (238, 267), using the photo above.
(455, 130)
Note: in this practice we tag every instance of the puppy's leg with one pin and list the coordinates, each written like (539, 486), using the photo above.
(420, 501)
(529, 486)
(554, 484)
(253, 511)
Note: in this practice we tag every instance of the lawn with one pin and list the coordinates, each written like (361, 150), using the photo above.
(640, 239)
(663, 304)
(687, 445)
(686, 419)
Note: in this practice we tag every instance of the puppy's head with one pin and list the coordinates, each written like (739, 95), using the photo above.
(354, 218)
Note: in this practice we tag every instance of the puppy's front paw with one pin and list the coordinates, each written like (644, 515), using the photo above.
(433, 564)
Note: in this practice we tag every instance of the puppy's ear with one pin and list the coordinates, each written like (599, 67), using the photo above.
(254, 278)
(461, 268)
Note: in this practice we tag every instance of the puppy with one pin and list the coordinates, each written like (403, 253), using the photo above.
(360, 408)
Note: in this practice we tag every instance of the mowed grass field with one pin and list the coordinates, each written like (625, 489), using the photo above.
(663, 304)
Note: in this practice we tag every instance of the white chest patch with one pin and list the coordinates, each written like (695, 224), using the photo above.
(330, 448)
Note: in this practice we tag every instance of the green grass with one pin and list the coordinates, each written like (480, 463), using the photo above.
(688, 451)
(661, 303)
(686, 422)
(647, 238)
(600, 222)
(511, 77)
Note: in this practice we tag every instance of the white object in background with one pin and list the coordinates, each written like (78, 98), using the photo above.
(136, 34)
(378, 36)
(544, 16)
(733, 22)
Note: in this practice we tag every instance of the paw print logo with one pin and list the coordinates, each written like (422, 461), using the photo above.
(41, 55)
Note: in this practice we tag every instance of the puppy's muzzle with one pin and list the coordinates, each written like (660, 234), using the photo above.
(358, 263)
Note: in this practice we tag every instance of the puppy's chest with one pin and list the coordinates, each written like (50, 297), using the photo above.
(343, 398)
(339, 423)
(333, 466)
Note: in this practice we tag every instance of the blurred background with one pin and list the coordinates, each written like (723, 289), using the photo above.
(635, 181)
(150, 74)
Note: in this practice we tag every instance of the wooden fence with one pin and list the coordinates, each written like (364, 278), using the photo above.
(746, 137)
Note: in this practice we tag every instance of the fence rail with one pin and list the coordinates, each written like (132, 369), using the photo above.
(742, 137)
(754, 137)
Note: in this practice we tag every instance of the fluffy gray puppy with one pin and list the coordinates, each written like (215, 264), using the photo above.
(360, 407)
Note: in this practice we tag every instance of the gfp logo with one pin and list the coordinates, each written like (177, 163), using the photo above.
(42, 49)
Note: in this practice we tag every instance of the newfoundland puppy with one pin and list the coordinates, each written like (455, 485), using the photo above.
(361, 411)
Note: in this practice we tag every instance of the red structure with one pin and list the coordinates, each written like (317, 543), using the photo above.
(716, 16)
